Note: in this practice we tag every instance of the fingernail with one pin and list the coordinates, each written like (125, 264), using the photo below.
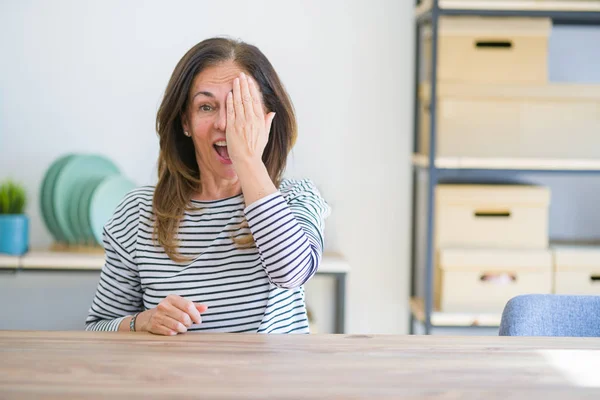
(243, 75)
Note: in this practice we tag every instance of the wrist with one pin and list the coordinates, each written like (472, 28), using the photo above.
(250, 170)
(141, 321)
(254, 180)
(248, 164)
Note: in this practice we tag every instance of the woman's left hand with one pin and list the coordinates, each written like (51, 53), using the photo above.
(248, 127)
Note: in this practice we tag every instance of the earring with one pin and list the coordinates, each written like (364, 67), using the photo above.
(186, 133)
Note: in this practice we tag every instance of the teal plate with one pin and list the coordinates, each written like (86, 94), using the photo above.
(78, 222)
(77, 171)
(83, 210)
(46, 196)
(105, 200)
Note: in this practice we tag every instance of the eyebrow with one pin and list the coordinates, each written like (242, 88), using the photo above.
(207, 94)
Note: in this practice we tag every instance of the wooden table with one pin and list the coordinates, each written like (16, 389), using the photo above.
(248, 366)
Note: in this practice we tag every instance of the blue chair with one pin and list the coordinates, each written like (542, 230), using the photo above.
(551, 315)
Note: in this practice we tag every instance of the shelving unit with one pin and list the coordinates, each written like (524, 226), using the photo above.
(429, 170)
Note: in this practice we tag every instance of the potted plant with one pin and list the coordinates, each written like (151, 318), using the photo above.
(14, 224)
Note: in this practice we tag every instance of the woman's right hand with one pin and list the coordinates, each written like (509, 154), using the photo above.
(173, 315)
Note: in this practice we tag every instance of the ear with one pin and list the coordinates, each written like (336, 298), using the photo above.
(184, 122)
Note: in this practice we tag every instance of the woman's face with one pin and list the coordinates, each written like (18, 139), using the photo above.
(206, 118)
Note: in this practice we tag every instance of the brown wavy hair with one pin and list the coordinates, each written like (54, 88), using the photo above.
(178, 174)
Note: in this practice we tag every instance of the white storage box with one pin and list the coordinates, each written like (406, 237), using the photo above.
(492, 216)
(555, 121)
(577, 270)
(490, 50)
(483, 280)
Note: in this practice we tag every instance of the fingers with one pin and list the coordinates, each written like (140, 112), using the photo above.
(161, 324)
(172, 324)
(247, 98)
(179, 315)
(201, 307)
(257, 104)
(163, 330)
(182, 310)
(238, 104)
(175, 314)
(230, 110)
(165, 325)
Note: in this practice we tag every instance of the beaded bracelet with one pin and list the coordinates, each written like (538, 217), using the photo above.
(132, 322)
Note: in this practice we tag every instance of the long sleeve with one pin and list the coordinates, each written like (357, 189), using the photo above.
(119, 292)
(288, 228)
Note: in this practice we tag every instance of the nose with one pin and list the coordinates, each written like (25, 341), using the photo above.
(221, 119)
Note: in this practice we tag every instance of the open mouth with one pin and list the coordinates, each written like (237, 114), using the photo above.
(221, 149)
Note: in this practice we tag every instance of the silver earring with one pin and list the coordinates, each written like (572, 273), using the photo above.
(186, 133)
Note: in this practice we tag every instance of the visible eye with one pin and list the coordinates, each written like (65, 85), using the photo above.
(206, 107)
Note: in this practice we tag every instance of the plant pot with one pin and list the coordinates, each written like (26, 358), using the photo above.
(14, 234)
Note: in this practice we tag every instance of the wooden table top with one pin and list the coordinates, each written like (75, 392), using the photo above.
(249, 366)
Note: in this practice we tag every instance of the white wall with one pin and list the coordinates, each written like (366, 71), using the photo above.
(88, 76)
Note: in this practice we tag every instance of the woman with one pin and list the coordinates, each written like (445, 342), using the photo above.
(222, 243)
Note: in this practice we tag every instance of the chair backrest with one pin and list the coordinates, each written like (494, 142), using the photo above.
(551, 315)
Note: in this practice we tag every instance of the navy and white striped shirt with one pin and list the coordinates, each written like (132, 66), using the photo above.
(256, 289)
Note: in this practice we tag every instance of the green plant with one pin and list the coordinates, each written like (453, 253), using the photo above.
(12, 198)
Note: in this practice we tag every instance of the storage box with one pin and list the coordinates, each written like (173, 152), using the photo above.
(490, 50)
(492, 216)
(577, 270)
(554, 121)
(483, 280)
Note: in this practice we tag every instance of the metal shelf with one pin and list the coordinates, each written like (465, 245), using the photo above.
(572, 11)
(454, 319)
(454, 165)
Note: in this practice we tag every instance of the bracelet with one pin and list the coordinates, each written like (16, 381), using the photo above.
(132, 322)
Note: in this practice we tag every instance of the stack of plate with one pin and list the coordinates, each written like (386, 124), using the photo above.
(78, 196)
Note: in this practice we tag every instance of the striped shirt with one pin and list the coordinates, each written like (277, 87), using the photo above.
(255, 289)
